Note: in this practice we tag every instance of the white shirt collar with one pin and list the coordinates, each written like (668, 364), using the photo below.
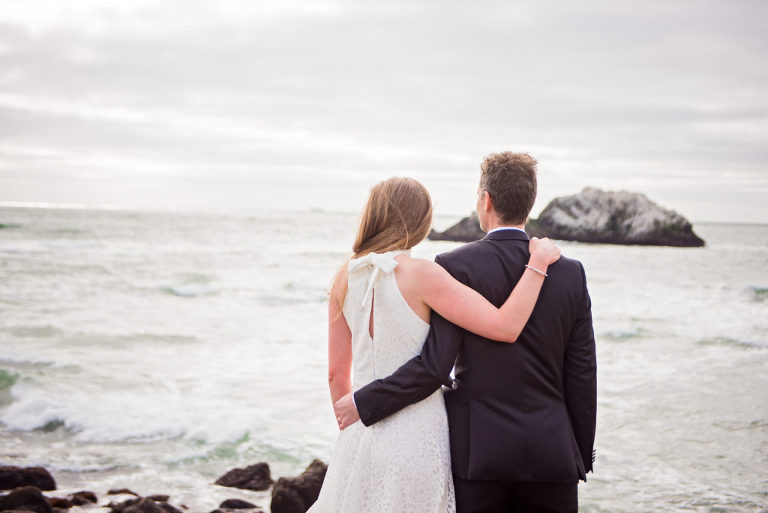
(505, 228)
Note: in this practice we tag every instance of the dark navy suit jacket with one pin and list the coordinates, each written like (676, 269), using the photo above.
(520, 412)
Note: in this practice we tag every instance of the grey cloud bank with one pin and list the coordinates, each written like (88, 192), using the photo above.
(307, 104)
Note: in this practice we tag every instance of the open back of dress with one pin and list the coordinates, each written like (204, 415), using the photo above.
(399, 332)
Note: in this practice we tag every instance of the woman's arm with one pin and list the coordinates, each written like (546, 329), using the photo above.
(467, 308)
(339, 342)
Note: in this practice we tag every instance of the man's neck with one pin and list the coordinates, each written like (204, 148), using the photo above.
(493, 225)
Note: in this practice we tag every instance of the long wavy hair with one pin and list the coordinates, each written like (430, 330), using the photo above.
(397, 215)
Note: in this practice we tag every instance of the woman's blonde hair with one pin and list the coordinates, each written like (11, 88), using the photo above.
(397, 215)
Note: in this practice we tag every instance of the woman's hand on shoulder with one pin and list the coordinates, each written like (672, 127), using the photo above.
(543, 251)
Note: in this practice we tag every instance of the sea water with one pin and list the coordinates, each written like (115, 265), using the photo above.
(157, 350)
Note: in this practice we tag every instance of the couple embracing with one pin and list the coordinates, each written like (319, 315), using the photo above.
(513, 429)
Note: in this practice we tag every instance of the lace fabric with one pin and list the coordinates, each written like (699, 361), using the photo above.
(401, 463)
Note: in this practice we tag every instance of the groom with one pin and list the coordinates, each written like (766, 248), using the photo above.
(521, 416)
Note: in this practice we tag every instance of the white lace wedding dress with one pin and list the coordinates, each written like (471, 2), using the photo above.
(402, 463)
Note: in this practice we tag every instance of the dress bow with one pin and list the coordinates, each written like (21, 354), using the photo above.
(381, 262)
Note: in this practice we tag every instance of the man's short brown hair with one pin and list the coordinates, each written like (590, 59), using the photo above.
(510, 179)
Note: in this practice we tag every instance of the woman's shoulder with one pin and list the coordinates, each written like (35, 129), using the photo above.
(339, 283)
(417, 267)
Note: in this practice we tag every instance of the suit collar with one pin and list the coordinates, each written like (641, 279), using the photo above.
(507, 235)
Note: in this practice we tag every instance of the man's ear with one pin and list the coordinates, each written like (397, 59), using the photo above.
(487, 202)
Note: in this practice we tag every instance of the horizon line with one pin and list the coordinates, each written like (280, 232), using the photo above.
(237, 210)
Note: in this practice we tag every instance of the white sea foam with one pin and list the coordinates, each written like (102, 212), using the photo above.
(120, 415)
(10, 359)
(22, 247)
(65, 244)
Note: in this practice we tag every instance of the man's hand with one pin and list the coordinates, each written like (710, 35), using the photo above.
(346, 411)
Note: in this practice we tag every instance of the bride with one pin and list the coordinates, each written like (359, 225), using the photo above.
(379, 310)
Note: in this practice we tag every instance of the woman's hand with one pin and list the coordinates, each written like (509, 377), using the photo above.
(543, 251)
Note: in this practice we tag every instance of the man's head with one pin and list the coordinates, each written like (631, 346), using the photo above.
(507, 189)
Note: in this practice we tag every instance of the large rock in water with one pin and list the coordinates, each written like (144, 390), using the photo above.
(596, 216)
(466, 230)
(613, 218)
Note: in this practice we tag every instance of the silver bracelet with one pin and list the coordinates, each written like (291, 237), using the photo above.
(536, 270)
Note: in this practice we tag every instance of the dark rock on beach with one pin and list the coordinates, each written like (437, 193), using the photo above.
(76, 499)
(13, 477)
(83, 497)
(168, 508)
(150, 504)
(597, 216)
(297, 494)
(60, 503)
(138, 505)
(228, 506)
(27, 498)
(236, 504)
(122, 491)
(143, 505)
(254, 477)
(119, 507)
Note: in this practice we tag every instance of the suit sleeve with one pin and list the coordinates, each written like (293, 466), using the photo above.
(580, 378)
(417, 378)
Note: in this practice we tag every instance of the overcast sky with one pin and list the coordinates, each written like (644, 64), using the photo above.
(306, 104)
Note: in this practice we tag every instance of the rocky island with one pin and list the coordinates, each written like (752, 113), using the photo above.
(596, 216)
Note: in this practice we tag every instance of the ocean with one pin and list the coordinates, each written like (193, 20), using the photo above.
(156, 350)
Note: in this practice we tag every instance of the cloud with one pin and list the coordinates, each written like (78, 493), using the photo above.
(630, 94)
